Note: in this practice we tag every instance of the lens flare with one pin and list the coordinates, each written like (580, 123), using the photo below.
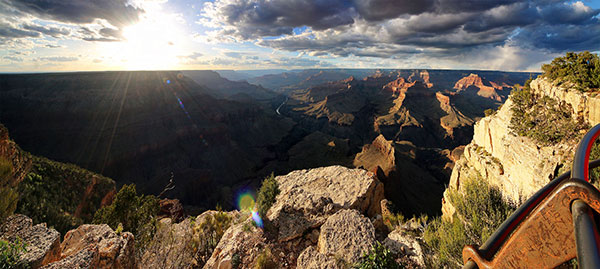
(246, 203)
(256, 218)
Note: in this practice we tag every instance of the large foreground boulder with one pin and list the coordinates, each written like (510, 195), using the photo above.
(308, 197)
(42, 244)
(96, 246)
(344, 238)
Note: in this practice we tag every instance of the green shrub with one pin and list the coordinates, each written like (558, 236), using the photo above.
(379, 257)
(581, 69)
(266, 195)
(479, 211)
(8, 196)
(542, 119)
(489, 112)
(265, 260)
(10, 253)
(135, 213)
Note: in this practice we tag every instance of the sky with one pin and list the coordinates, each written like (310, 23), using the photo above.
(85, 35)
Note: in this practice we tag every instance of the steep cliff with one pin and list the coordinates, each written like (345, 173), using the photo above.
(520, 165)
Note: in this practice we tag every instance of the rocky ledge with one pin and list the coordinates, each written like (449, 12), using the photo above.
(89, 246)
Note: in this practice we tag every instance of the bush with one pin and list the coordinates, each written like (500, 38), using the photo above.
(265, 260)
(379, 257)
(208, 233)
(135, 213)
(10, 253)
(8, 196)
(266, 195)
(489, 112)
(581, 69)
(479, 212)
(542, 119)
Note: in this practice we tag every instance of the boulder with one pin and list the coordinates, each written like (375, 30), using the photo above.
(96, 245)
(308, 197)
(344, 238)
(406, 245)
(241, 244)
(171, 208)
(42, 243)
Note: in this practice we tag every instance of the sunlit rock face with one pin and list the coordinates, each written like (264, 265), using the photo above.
(518, 165)
(308, 197)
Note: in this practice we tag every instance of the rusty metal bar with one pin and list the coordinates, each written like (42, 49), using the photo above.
(580, 168)
(586, 235)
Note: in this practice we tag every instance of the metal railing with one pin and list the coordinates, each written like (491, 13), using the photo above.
(553, 226)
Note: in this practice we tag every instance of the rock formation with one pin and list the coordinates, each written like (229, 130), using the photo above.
(518, 165)
(484, 88)
(406, 173)
(346, 235)
(89, 246)
(42, 243)
(309, 197)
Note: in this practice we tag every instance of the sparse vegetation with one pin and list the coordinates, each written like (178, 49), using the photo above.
(8, 195)
(10, 253)
(266, 195)
(136, 214)
(53, 192)
(543, 119)
(581, 69)
(208, 233)
(480, 210)
(265, 260)
(489, 112)
(379, 257)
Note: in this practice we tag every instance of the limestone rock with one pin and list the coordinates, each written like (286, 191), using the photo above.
(240, 243)
(42, 243)
(311, 258)
(405, 245)
(517, 165)
(111, 250)
(346, 236)
(85, 258)
(308, 197)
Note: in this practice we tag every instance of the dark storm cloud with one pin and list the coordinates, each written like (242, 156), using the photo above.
(117, 12)
(47, 30)
(374, 10)
(8, 31)
(364, 27)
(255, 18)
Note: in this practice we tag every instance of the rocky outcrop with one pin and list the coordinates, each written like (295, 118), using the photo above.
(484, 87)
(406, 246)
(97, 246)
(240, 241)
(518, 165)
(408, 182)
(346, 235)
(42, 244)
(20, 161)
(171, 208)
(309, 197)
(583, 104)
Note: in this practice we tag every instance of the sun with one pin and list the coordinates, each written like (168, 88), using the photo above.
(151, 44)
